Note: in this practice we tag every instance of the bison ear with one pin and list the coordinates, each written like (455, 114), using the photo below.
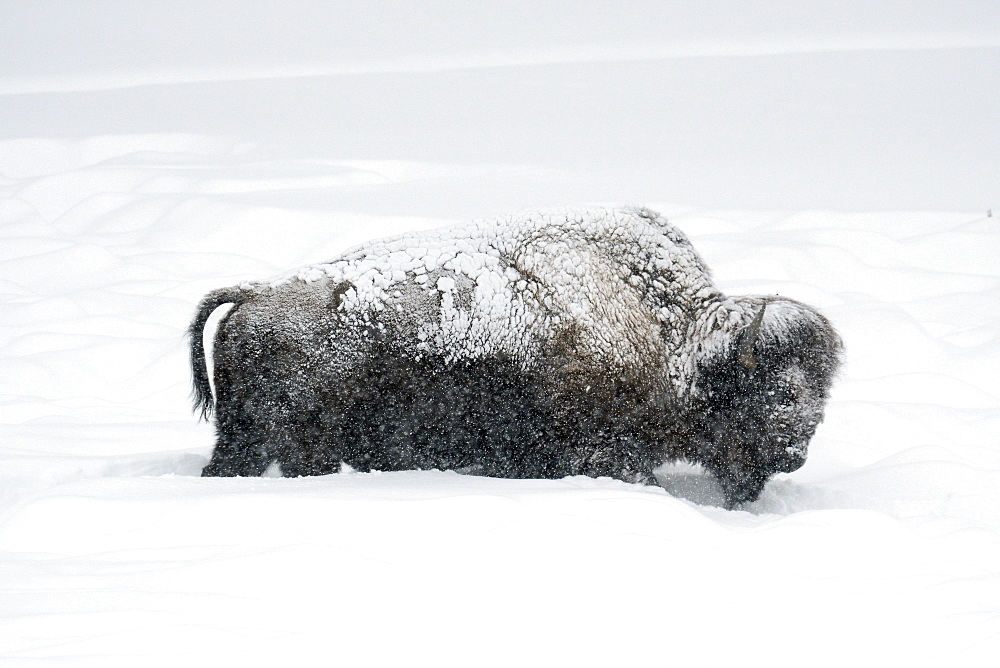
(750, 336)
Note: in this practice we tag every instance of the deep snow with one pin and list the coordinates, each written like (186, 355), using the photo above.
(137, 174)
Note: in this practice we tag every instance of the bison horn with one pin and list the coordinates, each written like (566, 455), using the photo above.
(747, 358)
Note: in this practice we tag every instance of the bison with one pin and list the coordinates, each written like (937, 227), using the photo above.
(540, 345)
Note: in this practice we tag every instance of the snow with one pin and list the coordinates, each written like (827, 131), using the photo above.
(842, 154)
(506, 284)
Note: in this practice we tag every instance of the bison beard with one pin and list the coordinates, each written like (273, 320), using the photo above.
(573, 342)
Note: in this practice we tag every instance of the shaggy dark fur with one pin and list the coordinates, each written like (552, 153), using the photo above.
(304, 378)
(754, 422)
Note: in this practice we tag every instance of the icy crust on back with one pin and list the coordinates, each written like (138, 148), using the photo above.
(614, 277)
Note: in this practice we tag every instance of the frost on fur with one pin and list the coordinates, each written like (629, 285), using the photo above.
(544, 344)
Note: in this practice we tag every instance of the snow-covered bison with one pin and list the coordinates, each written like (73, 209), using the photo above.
(540, 345)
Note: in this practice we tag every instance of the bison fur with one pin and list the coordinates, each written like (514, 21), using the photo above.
(546, 344)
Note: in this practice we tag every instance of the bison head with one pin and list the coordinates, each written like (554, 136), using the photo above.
(759, 391)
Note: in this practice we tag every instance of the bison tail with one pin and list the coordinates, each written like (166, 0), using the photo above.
(202, 388)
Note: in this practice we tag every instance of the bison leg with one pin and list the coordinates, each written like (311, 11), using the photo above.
(237, 456)
(241, 446)
(741, 486)
(614, 456)
(236, 459)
